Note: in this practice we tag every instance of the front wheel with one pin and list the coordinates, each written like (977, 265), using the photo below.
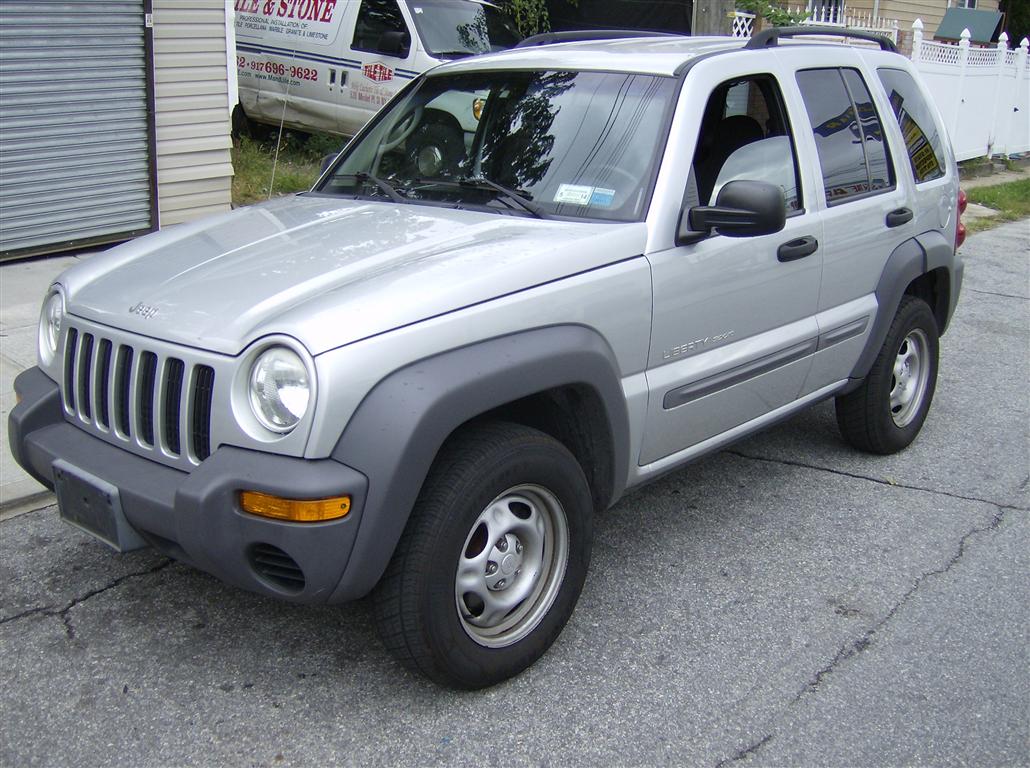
(886, 412)
(493, 559)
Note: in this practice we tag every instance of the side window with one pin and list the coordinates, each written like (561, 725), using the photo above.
(745, 135)
(848, 133)
(922, 139)
(380, 28)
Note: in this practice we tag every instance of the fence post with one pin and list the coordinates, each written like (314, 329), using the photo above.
(917, 39)
(963, 61)
(998, 143)
(1021, 56)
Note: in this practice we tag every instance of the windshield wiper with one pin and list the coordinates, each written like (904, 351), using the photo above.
(394, 193)
(519, 199)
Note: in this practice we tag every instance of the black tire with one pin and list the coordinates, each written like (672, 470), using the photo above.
(867, 417)
(435, 149)
(482, 468)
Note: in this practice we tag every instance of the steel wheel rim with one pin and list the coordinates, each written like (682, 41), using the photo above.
(511, 566)
(910, 377)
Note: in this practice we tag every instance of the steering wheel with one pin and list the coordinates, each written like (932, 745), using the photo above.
(402, 130)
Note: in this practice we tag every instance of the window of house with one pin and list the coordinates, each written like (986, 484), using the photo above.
(919, 129)
(848, 133)
(745, 134)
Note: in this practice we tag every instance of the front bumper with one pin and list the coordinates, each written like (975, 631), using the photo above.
(195, 516)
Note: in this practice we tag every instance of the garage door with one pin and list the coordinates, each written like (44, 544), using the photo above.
(75, 128)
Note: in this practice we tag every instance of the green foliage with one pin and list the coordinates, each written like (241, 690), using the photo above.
(1011, 200)
(1017, 19)
(774, 14)
(530, 16)
(300, 158)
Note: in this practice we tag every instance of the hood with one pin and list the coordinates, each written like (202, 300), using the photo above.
(328, 271)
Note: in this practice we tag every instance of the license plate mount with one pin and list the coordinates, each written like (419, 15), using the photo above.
(94, 506)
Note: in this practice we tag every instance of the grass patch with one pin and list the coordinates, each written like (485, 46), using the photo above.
(1011, 200)
(300, 160)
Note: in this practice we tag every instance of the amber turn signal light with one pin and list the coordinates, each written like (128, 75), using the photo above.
(294, 510)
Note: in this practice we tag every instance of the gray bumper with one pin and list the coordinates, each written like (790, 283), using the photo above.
(195, 517)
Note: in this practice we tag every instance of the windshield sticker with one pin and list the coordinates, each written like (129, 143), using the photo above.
(602, 197)
(573, 193)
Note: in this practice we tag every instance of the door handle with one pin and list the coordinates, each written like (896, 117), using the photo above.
(899, 217)
(797, 249)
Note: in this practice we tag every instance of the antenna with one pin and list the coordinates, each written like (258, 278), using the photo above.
(279, 138)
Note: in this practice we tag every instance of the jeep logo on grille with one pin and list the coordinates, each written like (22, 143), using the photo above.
(143, 310)
(378, 72)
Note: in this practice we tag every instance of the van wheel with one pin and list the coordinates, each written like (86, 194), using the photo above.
(886, 412)
(436, 148)
(492, 561)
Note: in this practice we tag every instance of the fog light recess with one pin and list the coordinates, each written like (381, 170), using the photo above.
(277, 567)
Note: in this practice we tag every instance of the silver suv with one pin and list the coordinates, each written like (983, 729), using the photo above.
(422, 378)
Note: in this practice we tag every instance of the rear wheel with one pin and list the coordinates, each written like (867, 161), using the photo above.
(886, 412)
(493, 559)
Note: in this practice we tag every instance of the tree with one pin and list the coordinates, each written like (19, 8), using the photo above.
(1017, 19)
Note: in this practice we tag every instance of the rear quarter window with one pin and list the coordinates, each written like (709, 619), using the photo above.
(922, 137)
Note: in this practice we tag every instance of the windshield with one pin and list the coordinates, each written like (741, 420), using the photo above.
(453, 28)
(575, 144)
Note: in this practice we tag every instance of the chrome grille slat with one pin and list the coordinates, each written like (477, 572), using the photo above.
(131, 398)
(71, 346)
(102, 384)
(121, 388)
(83, 375)
(147, 396)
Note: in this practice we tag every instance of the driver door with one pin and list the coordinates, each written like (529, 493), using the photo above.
(734, 326)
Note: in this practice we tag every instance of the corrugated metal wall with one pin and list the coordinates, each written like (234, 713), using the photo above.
(75, 164)
(194, 167)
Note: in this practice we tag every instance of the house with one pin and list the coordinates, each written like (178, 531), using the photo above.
(114, 119)
(904, 11)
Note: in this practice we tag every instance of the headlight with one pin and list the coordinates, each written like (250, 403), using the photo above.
(50, 327)
(279, 389)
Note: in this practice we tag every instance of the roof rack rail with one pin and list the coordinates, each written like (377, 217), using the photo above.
(770, 37)
(581, 35)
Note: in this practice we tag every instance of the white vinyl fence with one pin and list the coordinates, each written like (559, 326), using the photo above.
(982, 93)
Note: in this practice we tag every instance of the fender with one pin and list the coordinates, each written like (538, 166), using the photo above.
(941, 253)
(905, 264)
(401, 424)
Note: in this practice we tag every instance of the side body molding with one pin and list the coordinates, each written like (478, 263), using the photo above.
(905, 264)
(399, 427)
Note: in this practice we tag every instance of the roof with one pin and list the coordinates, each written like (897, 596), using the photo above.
(644, 55)
(983, 26)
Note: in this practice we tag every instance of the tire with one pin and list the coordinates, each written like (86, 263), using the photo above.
(886, 412)
(511, 507)
(435, 150)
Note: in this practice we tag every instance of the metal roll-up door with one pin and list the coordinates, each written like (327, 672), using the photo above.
(76, 131)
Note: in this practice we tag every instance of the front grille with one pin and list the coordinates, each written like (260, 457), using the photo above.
(141, 397)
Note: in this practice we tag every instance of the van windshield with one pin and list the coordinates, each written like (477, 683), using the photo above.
(456, 28)
(540, 143)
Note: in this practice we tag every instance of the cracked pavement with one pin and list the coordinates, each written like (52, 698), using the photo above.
(785, 602)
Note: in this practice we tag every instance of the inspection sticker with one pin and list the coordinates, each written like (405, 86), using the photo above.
(602, 197)
(573, 193)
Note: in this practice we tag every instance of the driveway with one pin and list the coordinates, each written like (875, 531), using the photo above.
(787, 601)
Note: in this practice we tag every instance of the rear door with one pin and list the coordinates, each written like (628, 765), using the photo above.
(867, 213)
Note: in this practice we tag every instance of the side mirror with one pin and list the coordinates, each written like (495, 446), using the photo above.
(393, 43)
(742, 209)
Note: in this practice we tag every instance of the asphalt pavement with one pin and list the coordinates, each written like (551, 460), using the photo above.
(785, 602)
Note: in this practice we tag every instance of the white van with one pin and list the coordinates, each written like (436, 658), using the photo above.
(329, 65)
